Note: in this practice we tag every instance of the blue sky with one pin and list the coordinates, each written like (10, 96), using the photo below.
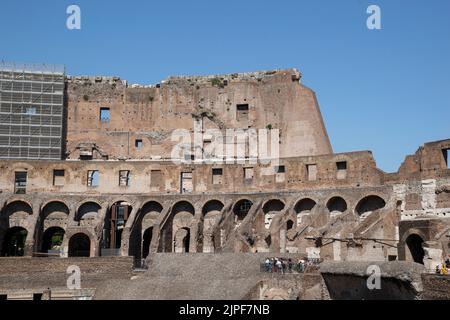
(382, 90)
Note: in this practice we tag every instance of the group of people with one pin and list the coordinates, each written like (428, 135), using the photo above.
(443, 268)
(286, 265)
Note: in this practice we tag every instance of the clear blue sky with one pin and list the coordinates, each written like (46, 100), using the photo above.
(383, 90)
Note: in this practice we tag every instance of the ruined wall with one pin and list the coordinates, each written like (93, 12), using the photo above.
(275, 99)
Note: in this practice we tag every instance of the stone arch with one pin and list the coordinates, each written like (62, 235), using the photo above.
(336, 206)
(14, 214)
(303, 208)
(182, 240)
(146, 219)
(182, 213)
(52, 240)
(80, 245)
(13, 243)
(212, 212)
(270, 209)
(369, 204)
(87, 213)
(54, 214)
(241, 209)
(413, 247)
(113, 225)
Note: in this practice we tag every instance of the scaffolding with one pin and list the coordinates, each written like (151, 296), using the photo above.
(31, 111)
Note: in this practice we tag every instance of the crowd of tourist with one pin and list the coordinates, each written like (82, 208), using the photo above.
(443, 268)
(287, 265)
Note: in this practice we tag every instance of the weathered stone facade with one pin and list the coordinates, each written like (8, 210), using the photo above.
(118, 192)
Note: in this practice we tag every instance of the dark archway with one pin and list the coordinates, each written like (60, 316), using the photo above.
(289, 225)
(88, 210)
(146, 241)
(79, 245)
(304, 206)
(273, 205)
(14, 242)
(241, 209)
(52, 240)
(212, 205)
(182, 240)
(336, 204)
(115, 220)
(369, 204)
(414, 243)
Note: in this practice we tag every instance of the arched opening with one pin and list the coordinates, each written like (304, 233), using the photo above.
(54, 219)
(146, 241)
(369, 204)
(182, 213)
(183, 206)
(289, 225)
(182, 240)
(336, 206)
(142, 231)
(416, 253)
(87, 212)
(304, 208)
(14, 242)
(270, 209)
(241, 209)
(212, 205)
(79, 245)
(52, 240)
(115, 221)
(212, 212)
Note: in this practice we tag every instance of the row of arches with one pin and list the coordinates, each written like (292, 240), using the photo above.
(54, 218)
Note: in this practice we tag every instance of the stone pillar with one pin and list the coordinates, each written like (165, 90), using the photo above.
(282, 240)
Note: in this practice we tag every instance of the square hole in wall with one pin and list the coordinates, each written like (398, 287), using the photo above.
(20, 182)
(242, 112)
(58, 177)
(105, 115)
(217, 174)
(341, 168)
(280, 169)
(124, 178)
(311, 170)
(138, 143)
(93, 178)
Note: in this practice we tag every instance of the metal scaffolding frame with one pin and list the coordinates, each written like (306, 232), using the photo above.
(31, 111)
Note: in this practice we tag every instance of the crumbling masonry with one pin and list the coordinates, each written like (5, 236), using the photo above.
(116, 191)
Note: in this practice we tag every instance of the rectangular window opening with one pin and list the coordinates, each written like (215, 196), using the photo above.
(93, 178)
(186, 182)
(124, 178)
(311, 170)
(217, 175)
(105, 115)
(242, 112)
(138, 143)
(341, 168)
(20, 182)
(58, 177)
(341, 165)
(280, 169)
